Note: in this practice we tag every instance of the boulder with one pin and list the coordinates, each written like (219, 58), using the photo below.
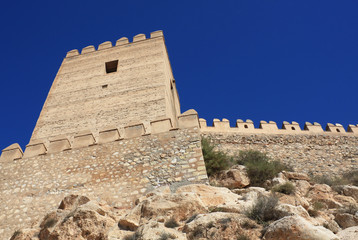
(235, 177)
(345, 200)
(87, 221)
(157, 230)
(290, 210)
(348, 233)
(24, 234)
(351, 191)
(323, 193)
(295, 200)
(221, 226)
(209, 195)
(296, 228)
(72, 201)
(179, 205)
(346, 220)
(302, 187)
(296, 176)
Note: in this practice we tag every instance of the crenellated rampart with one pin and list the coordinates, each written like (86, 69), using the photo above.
(311, 149)
(271, 128)
(108, 44)
(115, 164)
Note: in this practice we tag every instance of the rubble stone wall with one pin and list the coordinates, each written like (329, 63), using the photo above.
(311, 153)
(117, 172)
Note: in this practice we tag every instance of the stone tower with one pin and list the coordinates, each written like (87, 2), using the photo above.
(111, 86)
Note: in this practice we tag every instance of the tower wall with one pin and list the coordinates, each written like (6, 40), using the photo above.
(83, 96)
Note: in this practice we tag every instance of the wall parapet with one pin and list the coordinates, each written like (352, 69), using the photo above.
(188, 119)
(108, 44)
(270, 127)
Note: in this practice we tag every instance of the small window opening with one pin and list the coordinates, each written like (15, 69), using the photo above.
(245, 126)
(293, 128)
(105, 86)
(338, 130)
(111, 66)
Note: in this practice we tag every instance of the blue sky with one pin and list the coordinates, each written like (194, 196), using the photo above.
(260, 60)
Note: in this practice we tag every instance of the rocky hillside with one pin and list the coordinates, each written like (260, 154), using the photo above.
(294, 208)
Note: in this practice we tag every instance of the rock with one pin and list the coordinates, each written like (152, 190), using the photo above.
(156, 230)
(235, 177)
(72, 201)
(24, 234)
(351, 191)
(332, 225)
(323, 193)
(345, 200)
(348, 233)
(295, 200)
(87, 221)
(211, 196)
(131, 220)
(296, 228)
(221, 226)
(277, 181)
(302, 187)
(296, 176)
(179, 205)
(289, 210)
(346, 220)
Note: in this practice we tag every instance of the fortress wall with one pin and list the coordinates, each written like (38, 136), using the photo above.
(83, 96)
(117, 171)
(311, 151)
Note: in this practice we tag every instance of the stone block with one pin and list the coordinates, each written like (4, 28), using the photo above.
(83, 139)
(134, 130)
(221, 125)
(243, 126)
(122, 41)
(158, 33)
(110, 134)
(352, 128)
(162, 125)
(188, 119)
(314, 128)
(270, 126)
(88, 49)
(294, 126)
(202, 123)
(12, 152)
(72, 53)
(59, 144)
(105, 45)
(338, 128)
(35, 148)
(139, 37)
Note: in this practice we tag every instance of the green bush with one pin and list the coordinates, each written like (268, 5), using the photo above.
(286, 188)
(215, 161)
(242, 237)
(166, 236)
(171, 223)
(264, 210)
(350, 177)
(316, 207)
(259, 166)
(134, 236)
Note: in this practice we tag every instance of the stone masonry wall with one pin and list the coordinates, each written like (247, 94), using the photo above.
(117, 172)
(311, 150)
